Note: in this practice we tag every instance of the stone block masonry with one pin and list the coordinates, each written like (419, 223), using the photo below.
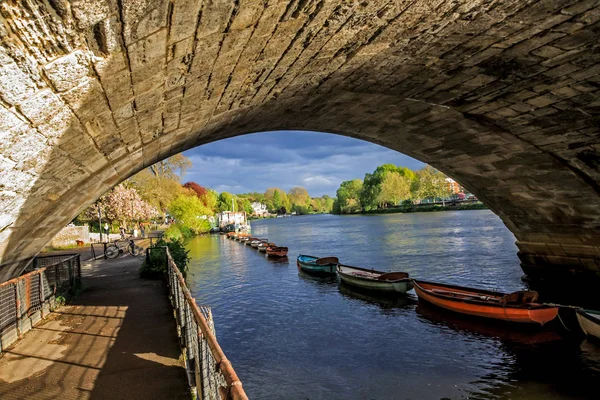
(501, 95)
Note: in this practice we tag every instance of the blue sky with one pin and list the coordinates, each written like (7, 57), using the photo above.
(317, 161)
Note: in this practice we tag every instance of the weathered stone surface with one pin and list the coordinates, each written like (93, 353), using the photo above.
(501, 95)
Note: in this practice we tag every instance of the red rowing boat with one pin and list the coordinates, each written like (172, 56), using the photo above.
(277, 251)
(519, 307)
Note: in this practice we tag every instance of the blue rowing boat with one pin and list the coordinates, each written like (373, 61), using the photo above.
(318, 266)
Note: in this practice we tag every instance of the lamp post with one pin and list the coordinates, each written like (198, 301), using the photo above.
(99, 219)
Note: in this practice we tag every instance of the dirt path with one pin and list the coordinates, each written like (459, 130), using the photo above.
(117, 340)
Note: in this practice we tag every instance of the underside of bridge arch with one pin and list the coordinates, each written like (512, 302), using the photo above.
(502, 95)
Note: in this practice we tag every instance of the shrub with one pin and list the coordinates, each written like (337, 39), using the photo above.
(155, 265)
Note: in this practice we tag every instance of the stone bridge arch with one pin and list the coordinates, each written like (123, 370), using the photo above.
(502, 95)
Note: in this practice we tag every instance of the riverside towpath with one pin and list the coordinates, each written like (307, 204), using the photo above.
(116, 340)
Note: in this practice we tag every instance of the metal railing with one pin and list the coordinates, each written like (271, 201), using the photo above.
(210, 374)
(28, 299)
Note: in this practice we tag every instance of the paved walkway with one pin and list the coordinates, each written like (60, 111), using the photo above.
(117, 340)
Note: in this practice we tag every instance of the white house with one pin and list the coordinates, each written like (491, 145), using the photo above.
(259, 209)
(230, 217)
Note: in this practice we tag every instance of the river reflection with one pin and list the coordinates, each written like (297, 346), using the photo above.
(295, 336)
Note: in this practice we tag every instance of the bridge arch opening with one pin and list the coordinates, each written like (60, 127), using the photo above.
(500, 96)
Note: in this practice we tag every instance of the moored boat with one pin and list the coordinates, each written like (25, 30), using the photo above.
(262, 247)
(385, 282)
(520, 307)
(317, 265)
(244, 239)
(256, 242)
(589, 321)
(277, 251)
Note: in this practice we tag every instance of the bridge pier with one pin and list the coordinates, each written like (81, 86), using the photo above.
(552, 261)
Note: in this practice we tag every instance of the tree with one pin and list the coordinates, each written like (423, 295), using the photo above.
(200, 191)
(369, 198)
(157, 191)
(298, 196)
(225, 202)
(394, 187)
(208, 197)
(431, 183)
(277, 200)
(121, 204)
(282, 200)
(348, 196)
(170, 167)
(189, 212)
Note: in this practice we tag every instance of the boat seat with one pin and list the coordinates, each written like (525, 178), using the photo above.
(520, 297)
(393, 276)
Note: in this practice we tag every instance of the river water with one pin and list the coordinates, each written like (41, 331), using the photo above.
(292, 336)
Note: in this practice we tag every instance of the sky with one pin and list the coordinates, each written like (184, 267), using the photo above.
(316, 161)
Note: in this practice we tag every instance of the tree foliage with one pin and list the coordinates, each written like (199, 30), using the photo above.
(394, 188)
(155, 190)
(276, 200)
(431, 183)
(189, 212)
(172, 168)
(120, 204)
(348, 196)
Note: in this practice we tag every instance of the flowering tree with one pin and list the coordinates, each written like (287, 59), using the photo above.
(121, 204)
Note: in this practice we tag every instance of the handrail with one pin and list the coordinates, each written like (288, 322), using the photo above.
(234, 389)
(29, 298)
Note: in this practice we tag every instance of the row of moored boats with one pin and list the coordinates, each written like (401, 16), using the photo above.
(519, 307)
(262, 245)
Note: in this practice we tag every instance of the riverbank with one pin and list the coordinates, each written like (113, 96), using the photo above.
(428, 208)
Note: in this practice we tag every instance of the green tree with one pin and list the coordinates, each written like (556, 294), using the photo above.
(348, 196)
(156, 190)
(369, 198)
(394, 187)
(281, 203)
(431, 183)
(189, 212)
(225, 202)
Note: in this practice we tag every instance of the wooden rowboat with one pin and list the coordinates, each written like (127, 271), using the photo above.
(277, 251)
(316, 265)
(250, 240)
(264, 245)
(521, 307)
(256, 242)
(589, 321)
(244, 239)
(390, 282)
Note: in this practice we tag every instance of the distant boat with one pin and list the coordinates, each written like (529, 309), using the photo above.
(521, 307)
(385, 282)
(256, 242)
(262, 247)
(589, 321)
(277, 251)
(318, 266)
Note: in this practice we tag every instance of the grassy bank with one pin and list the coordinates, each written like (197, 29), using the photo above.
(427, 208)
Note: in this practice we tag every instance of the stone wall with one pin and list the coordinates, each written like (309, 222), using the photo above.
(68, 236)
(502, 95)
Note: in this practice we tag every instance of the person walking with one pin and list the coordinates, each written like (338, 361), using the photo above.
(122, 231)
(143, 229)
(106, 229)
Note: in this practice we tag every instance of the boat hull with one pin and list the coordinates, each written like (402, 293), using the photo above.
(376, 286)
(316, 269)
(526, 315)
(589, 323)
